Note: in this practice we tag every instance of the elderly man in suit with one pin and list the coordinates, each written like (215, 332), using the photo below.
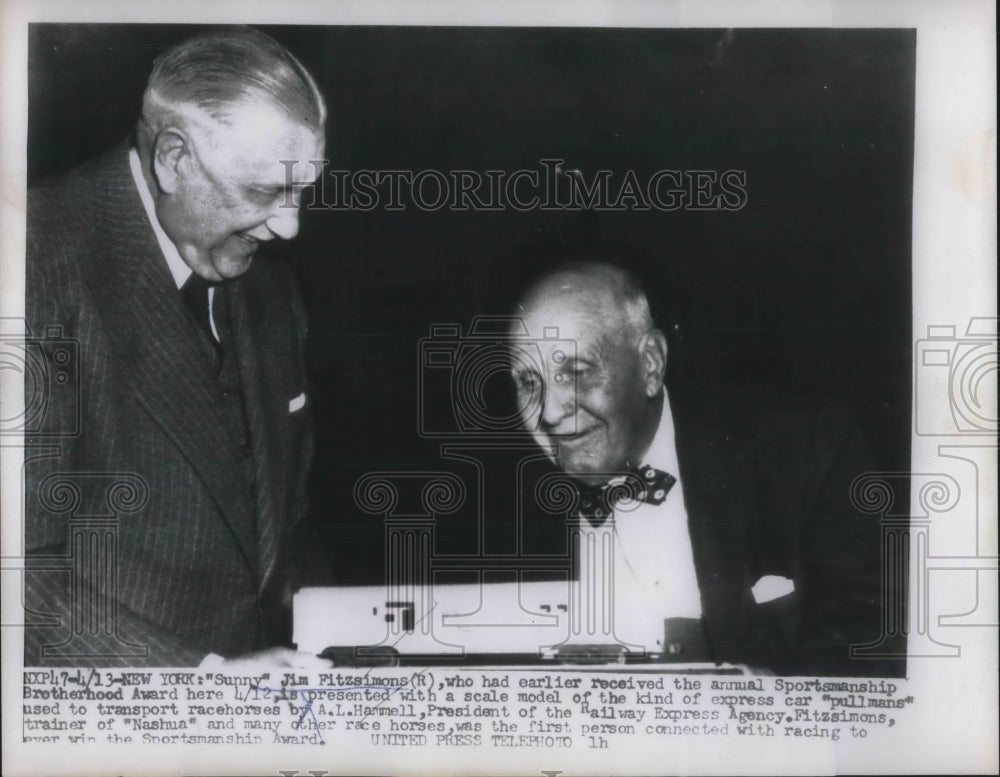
(728, 518)
(191, 382)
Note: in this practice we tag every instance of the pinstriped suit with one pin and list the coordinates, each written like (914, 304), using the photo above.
(198, 568)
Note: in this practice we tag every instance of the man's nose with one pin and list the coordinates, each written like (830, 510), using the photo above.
(284, 222)
(558, 403)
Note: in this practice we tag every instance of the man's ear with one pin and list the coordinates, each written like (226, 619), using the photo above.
(653, 353)
(170, 156)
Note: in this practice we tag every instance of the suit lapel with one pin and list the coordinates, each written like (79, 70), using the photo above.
(161, 353)
(266, 431)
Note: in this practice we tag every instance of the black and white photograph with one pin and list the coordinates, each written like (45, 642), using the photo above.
(421, 395)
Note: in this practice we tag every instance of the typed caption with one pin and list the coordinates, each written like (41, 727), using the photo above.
(484, 709)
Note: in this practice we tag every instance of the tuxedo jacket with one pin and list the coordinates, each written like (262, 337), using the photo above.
(144, 512)
(767, 488)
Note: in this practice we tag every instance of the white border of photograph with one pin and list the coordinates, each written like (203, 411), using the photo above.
(954, 725)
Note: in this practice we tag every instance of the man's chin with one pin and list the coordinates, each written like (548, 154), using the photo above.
(588, 475)
(230, 267)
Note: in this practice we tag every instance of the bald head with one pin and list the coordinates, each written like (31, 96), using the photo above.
(590, 378)
(612, 296)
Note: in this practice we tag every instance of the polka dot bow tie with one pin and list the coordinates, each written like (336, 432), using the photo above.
(644, 484)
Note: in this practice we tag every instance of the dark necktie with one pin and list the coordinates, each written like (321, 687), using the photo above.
(195, 293)
(645, 484)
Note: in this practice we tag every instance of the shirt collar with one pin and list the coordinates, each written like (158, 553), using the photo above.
(662, 453)
(178, 268)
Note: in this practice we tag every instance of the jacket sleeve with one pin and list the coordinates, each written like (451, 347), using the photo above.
(304, 556)
(72, 617)
(833, 549)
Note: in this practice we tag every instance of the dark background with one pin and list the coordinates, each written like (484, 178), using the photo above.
(806, 289)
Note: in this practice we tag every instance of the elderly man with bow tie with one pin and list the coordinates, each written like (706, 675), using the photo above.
(717, 527)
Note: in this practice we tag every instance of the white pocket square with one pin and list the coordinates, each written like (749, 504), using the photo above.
(298, 403)
(771, 587)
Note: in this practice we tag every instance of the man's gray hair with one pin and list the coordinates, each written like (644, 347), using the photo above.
(211, 75)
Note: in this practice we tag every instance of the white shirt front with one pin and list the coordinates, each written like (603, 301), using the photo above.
(179, 269)
(637, 569)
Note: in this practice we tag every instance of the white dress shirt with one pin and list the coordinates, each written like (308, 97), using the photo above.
(178, 267)
(637, 569)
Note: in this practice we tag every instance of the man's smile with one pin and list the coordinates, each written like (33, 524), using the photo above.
(573, 438)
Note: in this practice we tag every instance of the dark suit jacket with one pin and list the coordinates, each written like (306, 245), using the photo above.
(141, 442)
(767, 489)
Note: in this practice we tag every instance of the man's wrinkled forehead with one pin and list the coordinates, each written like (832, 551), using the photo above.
(570, 307)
